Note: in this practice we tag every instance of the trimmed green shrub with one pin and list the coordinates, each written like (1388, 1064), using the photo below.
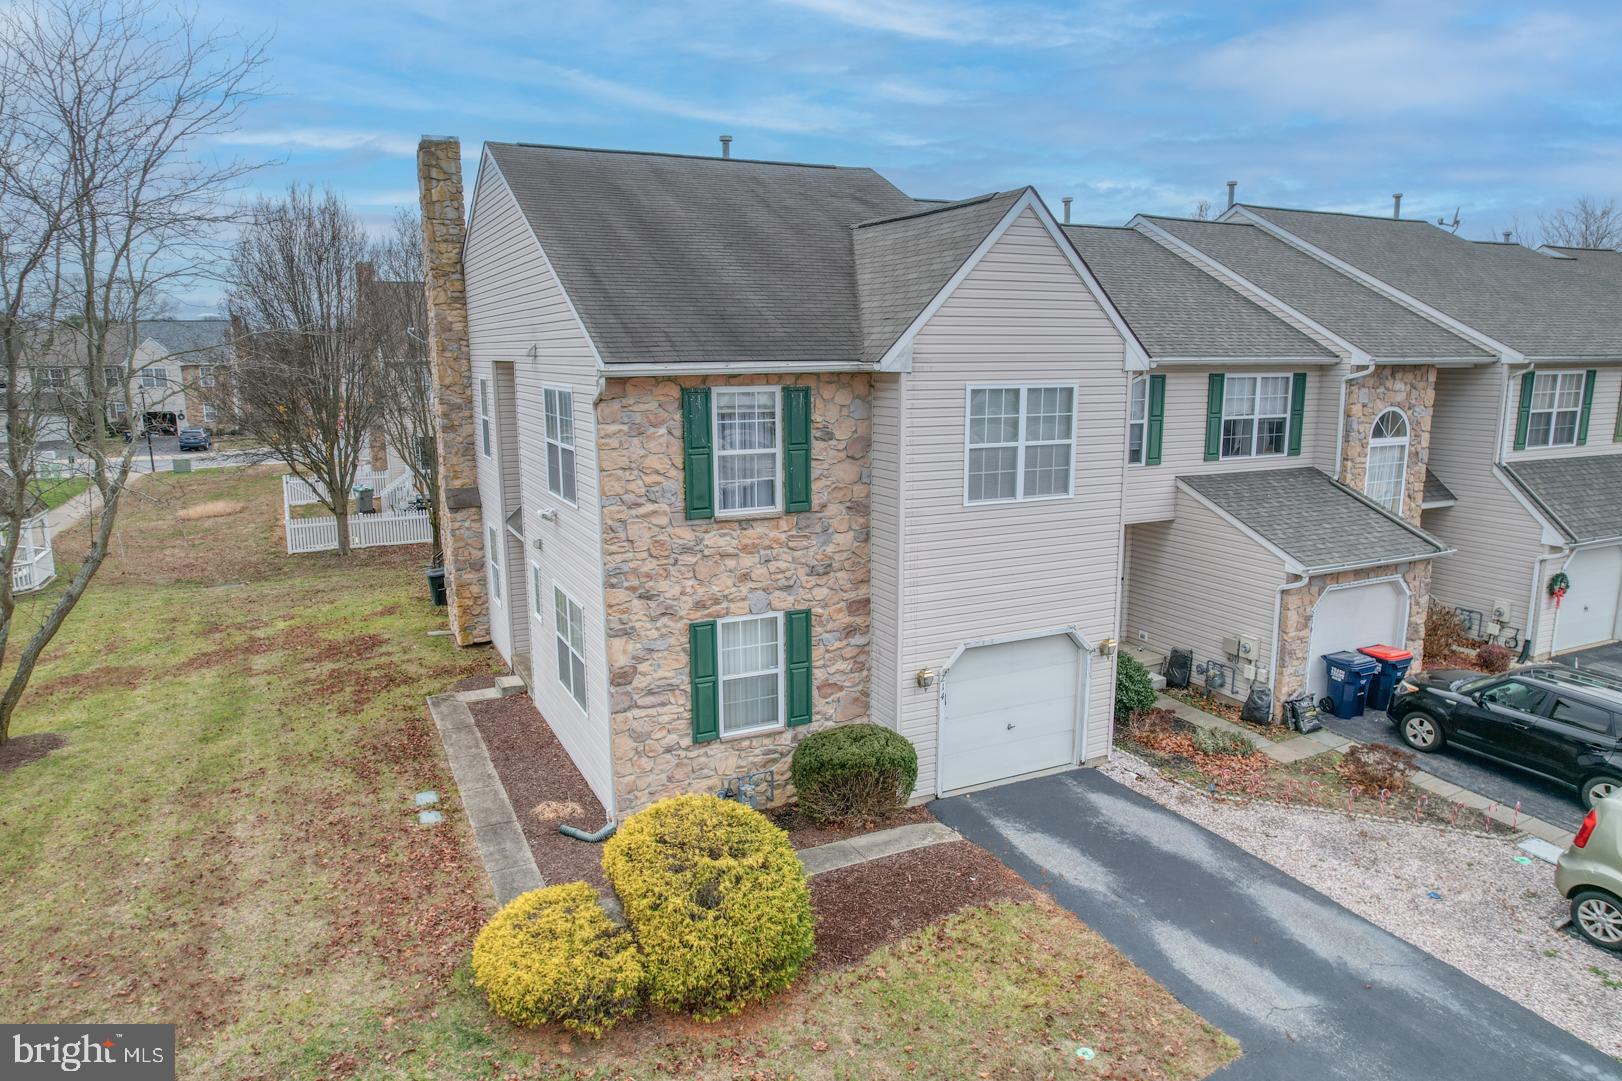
(554, 955)
(717, 900)
(1221, 741)
(1133, 691)
(853, 773)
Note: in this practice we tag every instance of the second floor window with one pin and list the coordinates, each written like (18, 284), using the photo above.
(560, 443)
(1388, 461)
(747, 450)
(53, 378)
(486, 437)
(1137, 420)
(113, 376)
(1255, 415)
(1557, 406)
(205, 376)
(1021, 443)
(154, 378)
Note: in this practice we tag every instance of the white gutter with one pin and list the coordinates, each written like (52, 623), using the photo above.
(1278, 619)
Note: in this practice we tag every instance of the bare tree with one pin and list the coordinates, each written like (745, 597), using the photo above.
(105, 201)
(1202, 210)
(1587, 223)
(305, 379)
(395, 317)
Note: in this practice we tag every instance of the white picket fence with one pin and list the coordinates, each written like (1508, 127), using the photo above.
(394, 525)
(35, 565)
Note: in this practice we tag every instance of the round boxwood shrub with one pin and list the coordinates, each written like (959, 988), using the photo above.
(1133, 691)
(717, 900)
(855, 772)
(554, 955)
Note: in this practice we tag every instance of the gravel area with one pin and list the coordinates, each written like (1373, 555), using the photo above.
(1494, 919)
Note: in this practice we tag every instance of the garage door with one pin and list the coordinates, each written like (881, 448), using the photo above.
(1588, 612)
(1011, 709)
(1374, 613)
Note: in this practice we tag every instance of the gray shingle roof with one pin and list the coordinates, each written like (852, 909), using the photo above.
(1580, 495)
(1315, 521)
(1539, 306)
(1177, 309)
(204, 341)
(902, 262)
(670, 258)
(1436, 491)
(1380, 327)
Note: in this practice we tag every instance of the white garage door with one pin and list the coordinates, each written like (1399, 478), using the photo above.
(1371, 614)
(1588, 611)
(1011, 709)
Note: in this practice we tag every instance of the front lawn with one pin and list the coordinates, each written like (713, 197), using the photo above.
(54, 493)
(227, 841)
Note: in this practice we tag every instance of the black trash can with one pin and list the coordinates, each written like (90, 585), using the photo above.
(1394, 664)
(1349, 676)
(436, 585)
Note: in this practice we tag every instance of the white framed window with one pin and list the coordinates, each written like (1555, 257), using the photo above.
(1387, 474)
(120, 409)
(492, 559)
(210, 414)
(1137, 420)
(487, 442)
(569, 631)
(154, 378)
(112, 376)
(205, 375)
(1557, 406)
(1020, 443)
(1255, 415)
(560, 443)
(748, 449)
(53, 378)
(537, 603)
(751, 673)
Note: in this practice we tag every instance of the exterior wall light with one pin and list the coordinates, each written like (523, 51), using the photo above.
(926, 677)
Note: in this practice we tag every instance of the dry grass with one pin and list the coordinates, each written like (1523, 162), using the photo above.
(214, 508)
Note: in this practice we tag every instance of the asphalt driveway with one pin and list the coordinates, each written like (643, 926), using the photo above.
(1307, 988)
(1606, 658)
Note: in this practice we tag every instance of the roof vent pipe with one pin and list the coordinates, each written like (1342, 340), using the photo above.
(726, 146)
(1396, 204)
(1232, 184)
(1067, 200)
(1507, 234)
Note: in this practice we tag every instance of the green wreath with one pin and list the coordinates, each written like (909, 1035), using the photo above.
(1559, 583)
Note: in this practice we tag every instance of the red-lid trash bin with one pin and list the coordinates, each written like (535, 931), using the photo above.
(1394, 664)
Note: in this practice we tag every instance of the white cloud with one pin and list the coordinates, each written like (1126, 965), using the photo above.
(975, 24)
(910, 93)
(324, 139)
(786, 113)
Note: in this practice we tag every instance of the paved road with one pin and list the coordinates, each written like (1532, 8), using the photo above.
(1551, 802)
(1309, 990)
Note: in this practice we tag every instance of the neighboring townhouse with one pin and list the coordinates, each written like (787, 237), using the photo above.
(1526, 447)
(753, 448)
(1275, 456)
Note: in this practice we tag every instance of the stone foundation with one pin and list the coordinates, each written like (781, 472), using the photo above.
(1411, 388)
(662, 572)
(1295, 620)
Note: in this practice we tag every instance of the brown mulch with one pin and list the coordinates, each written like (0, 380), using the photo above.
(544, 787)
(482, 682)
(18, 751)
(861, 908)
(803, 833)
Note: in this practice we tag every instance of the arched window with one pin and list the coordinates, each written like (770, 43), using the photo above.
(1388, 460)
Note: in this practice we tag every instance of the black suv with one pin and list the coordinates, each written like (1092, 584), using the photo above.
(1550, 720)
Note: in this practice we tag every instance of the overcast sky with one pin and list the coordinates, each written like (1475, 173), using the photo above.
(1499, 110)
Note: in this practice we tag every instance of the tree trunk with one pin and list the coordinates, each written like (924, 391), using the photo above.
(341, 513)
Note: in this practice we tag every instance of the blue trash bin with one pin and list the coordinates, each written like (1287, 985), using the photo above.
(1394, 664)
(1349, 677)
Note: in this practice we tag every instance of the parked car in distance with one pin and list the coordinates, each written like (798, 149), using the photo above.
(1589, 874)
(1549, 720)
(196, 439)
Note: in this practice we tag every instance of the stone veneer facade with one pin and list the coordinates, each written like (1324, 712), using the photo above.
(1411, 388)
(444, 229)
(662, 572)
(1295, 619)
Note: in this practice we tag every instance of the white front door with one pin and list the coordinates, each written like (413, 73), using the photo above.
(1010, 709)
(1588, 612)
(1347, 617)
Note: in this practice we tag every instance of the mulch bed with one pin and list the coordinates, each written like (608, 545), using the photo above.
(481, 682)
(18, 751)
(860, 908)
(803, 833)
(544, 787)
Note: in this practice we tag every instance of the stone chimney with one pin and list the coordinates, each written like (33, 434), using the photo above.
(439, 179)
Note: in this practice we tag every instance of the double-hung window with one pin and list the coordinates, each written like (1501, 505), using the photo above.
(487, 441)
(1557, 405)
(751, 672)
(569, 630)
(205, 375)
(560, 443)
(748, 450)
(1137, 420)
(1255, 415)
(210, 414)
(155, 378)
(1021, 443)
(492, 558)
(53, 378)
(112, 376)
(1388, 460)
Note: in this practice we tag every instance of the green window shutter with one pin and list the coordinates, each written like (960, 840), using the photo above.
(1525, 413)
(1213, 417)
(697, 471)
(1157, 420)
(702, 668)
(1298, 410)
(1588, 405)
(796, 449)
(797, 632)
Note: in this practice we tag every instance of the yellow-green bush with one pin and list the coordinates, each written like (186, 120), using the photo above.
(717, 900)
(554, 955)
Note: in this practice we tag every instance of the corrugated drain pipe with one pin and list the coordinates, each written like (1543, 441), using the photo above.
(599, 837)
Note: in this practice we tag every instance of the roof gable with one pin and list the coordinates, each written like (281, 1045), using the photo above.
(1577, 494)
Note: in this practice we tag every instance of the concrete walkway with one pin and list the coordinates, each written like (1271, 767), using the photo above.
(875, 846)
(1309, 989)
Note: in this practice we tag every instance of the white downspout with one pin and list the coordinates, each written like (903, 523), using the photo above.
(1278, 619)
(1345, 389)
(1529, 647)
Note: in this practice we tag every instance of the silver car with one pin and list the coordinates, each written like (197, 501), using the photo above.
(1590, 875)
